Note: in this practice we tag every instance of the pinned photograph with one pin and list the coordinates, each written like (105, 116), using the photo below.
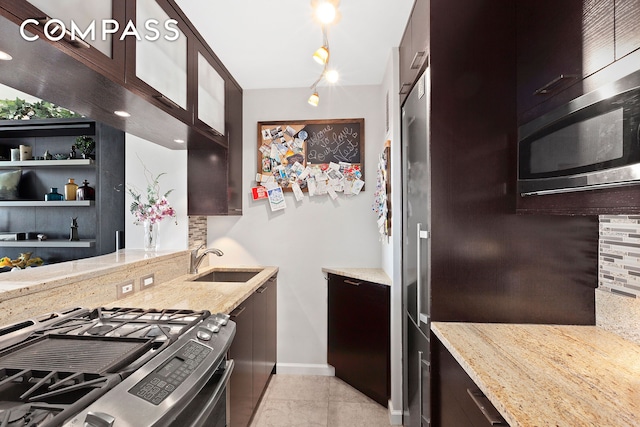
(276, 199)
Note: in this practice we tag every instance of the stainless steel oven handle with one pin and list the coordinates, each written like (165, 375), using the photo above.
(203, 417)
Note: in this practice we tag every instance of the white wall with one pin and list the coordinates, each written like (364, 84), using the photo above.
(157, 159)
(392, 248)
(309, 235)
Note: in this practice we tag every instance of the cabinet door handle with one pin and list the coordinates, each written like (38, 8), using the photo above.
(260, 290)
(166, 101)
(490, 413)
(240, 311)
(404, 89)
(351, 282)
(549, 87)
(416, 63)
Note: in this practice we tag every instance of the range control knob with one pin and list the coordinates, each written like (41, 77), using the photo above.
(204, 334)
(222, 319)
(98, 419)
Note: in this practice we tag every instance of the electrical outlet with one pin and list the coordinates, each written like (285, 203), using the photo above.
(147, 281)
(125, 289)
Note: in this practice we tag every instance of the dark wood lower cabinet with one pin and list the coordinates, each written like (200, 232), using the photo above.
(456, 398)
(241, 351)
(359, 335)
(254, 352)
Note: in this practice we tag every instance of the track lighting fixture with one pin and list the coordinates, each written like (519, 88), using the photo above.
(326, 11)
(314, 99)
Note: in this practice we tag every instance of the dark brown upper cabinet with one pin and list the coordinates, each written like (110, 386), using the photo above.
(627, 17)
(566, 49)
(549, 55)
(210, 85)
(106, 56)
(414, 47)
(158, 69)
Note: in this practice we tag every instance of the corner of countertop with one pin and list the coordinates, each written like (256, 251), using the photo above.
(374, 275)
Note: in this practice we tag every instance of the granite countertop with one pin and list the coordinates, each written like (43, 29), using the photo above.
(184, 293)
(550, 375)
(374, 275)
(53, 275)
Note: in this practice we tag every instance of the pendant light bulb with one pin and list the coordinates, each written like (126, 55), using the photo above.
(314, 99)
(326, 12)
(331, 76)
(321, 55)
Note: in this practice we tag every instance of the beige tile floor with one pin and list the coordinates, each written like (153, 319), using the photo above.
(310, 401)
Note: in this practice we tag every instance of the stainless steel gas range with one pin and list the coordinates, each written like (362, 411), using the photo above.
(116, 367)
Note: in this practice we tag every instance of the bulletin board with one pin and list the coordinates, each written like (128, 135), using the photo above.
(287, 148)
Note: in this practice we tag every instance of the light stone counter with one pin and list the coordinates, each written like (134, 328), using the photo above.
(550, 375)
(22, 282)
(93, 282)
(184, 293)
(374, 275)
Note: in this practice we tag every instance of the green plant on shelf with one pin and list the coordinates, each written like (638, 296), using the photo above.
(86, 145)
(19, 109)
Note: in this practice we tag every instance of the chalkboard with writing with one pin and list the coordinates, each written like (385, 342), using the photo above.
(334, 142)
(283, 144)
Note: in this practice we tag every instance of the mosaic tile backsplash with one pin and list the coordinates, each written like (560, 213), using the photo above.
(619, 255)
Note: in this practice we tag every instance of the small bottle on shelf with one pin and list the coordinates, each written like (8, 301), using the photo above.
(85, 192)
(70, 189)
(53, 195)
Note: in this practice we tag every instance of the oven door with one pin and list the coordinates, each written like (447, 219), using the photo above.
(209, 406)
(593, 141)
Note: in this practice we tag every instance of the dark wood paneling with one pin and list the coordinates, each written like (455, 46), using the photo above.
(241, 351)
(359, 335)
(260, 377)
(453, 405)
(489, 264)
(207, 177)
(271, 331)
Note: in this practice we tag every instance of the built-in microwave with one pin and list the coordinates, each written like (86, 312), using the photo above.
(591, 142)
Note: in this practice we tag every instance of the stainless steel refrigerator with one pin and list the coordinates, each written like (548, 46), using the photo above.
(416, 231)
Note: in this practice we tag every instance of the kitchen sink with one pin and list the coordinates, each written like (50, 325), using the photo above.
(227, 276)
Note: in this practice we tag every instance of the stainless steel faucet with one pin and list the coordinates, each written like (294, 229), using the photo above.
(197, 259)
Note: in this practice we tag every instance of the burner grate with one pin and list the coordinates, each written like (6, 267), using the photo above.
(73, 353)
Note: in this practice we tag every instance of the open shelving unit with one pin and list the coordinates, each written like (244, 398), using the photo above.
(98, 220)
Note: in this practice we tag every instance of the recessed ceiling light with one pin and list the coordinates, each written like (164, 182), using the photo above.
(4, 56)
(179, 141)
(122, 114)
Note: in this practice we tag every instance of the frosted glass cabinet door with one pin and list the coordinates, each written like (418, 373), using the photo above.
(162, 63)
(84, 13)
(210, 96)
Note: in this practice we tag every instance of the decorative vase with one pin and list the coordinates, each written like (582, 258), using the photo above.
(150, 236)
(85, 192)
(53, 195)
(70, 189)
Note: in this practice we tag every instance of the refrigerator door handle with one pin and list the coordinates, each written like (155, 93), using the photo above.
(420, 384)
(421, 234)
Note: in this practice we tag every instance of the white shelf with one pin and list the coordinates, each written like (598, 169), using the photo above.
(46, 163)
(52, 243)
(36, 203)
